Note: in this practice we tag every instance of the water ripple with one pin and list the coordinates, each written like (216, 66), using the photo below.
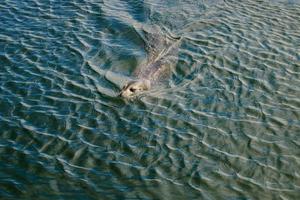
(224, 126)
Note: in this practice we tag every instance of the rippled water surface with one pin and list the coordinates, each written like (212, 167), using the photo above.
(225, 124)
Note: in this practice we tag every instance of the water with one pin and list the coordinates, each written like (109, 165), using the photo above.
(225, 125)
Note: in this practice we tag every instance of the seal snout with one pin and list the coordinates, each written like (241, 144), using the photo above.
(133, 88)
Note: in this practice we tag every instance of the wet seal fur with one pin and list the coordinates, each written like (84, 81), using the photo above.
(161, 50)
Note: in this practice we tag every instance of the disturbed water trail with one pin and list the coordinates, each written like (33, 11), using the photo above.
(225, 126)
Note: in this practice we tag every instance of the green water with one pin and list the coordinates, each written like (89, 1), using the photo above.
(224, 125)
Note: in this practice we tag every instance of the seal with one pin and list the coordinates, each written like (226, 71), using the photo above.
(161, 52)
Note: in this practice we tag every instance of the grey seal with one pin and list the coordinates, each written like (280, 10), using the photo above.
(162, 50)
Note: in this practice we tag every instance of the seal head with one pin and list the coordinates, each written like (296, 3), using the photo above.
(132, 88)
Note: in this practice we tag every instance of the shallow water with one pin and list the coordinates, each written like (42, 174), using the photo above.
(224, 126)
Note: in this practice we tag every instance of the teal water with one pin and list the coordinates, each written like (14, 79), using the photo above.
(224, 125)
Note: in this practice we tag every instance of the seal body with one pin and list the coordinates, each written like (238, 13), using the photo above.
(161, 51)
